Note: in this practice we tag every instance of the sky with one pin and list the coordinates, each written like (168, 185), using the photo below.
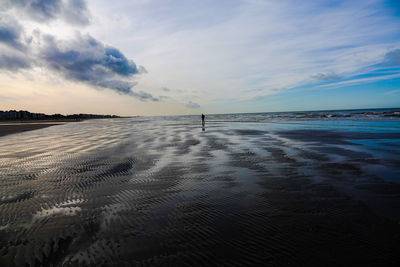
(170, 57)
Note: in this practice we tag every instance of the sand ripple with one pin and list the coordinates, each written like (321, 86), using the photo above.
(159, 192)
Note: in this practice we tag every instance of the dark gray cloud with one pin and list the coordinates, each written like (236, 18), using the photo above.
(125, 87)
(41, 10)
(392, 58)
(87, 60)
(165, 89)
(325, 77)
(85, 56)
(14, 63)
(144, 96)
(11, 34)
(71, 11)
(191, 104)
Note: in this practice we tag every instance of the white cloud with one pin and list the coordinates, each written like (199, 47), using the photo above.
(392, 92)
(267, 45)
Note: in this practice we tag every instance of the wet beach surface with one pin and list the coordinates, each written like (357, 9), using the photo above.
(163, 192)
(12, 128)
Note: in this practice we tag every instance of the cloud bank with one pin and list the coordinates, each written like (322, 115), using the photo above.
(81, 58)
(85, 59)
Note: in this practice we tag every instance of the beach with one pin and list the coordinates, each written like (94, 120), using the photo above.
(239, 192)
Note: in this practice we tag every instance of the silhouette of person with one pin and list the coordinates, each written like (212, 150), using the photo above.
(203, 121)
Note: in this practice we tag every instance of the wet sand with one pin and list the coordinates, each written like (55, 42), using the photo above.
(12, 128)
(18, 126)
(155, 193)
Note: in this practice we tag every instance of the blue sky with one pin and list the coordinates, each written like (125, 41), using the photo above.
(155, 57)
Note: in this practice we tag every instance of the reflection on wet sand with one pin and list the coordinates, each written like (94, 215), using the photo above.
(162, 192)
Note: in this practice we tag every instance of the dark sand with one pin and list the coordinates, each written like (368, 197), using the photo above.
(12, 128)
(18, 126)
(165, 193)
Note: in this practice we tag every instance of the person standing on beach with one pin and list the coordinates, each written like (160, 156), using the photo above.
(203, 121)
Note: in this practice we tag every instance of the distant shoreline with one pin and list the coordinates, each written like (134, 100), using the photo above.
(13, 121)
(38, 121)
(26, 115)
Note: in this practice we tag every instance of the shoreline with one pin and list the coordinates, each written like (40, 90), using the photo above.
(19, 126)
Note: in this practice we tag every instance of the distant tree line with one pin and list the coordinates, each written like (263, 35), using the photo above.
(26, 115)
